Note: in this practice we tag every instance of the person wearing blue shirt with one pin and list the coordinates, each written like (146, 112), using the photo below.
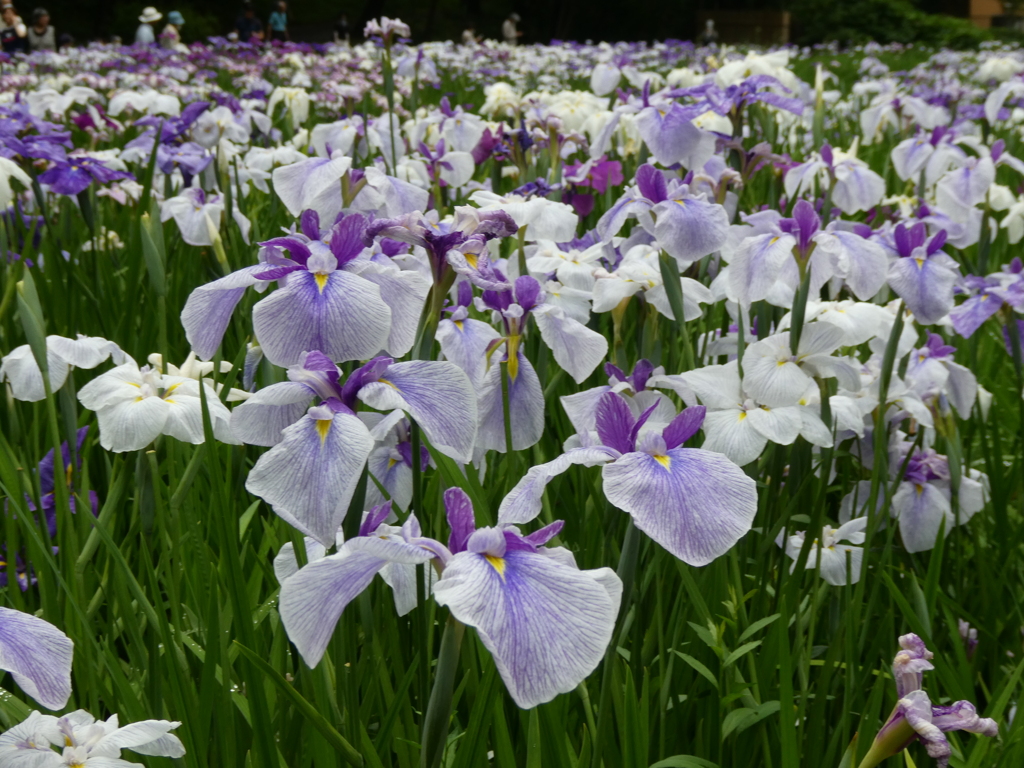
(278, 23)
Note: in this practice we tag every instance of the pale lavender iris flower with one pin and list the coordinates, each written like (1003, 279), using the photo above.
(546, 622)
(318, 453)
(923, 275)
(330, 297)
(695, 503)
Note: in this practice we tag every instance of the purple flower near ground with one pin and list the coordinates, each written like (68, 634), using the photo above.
(38, 656)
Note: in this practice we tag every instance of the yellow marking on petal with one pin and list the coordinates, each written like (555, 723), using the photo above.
(781, 363)
(920, 262)
(773, 241)
(497, 563)
(665, 461)
(171, 388)
(471, 259)
(385, 381)
(139, 399)
(321, 281)
(67, 474)
(513, 357)
(743, 415)
(920, 489)
(133, 384)
(392, 462)
(172, 402)
(458, 324)
(323, 426)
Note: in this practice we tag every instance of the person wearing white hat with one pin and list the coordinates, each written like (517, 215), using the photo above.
(144, 35)
(509, 31)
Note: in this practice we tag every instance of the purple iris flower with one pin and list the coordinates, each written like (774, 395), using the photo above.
(987, 295)
(76, 173)
(915, 718)
(686, 225)
(546, 622)
(695, 503)
(331, 297)
(465, 238)
(192, 158)
(923, 276)
(47, 483)
(318, 453)
(465, 341)
(38, 656)
(732, 100)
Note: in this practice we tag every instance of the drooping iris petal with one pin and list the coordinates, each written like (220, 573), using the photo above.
(20, 370)
(925, 285)
(313, 599)
(309, 477)
(672, 138)
(921, 509)
(695, 503)
(546, 624)
(464, 342)
(208, 310)
(346, 319)
(312, 184)
(577, 349)
(404, 291)
(756, 265)
(38, 656)
(526, 408)
(438, 395)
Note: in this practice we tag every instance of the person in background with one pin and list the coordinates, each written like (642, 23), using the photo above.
(41, 35)
(145, 35)
(469, 35)
(341, 31)
(13, 32)
(278, 23)
(710, 35)
(509, 31)
(170, 38)
(249, 28)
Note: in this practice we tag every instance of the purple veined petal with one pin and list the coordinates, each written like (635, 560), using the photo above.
(651, 183)
(346, 319)
(546, 624)
(347, 238)
(972, 314)
(695, 503)
(309, 477)
(646, 414)
(404, 291)
(862, 263)
(309, 223)
(576, 348)
(459, 510)
(612, 221)
(313, 599)
(925, 286)
(297, 250)
(962, 716)
(261, 419)
(910, 156)
(921, 510)
(526, 408)
(542, 536)
(438, 395)
(38, 656)
(690, 228)
(916, 707)
(802, 178)
(465, 342)
(672, 138)
(392, 473)
(614, 421)
(756, 265)
(523, 502)
(208, 310)
(684, 426)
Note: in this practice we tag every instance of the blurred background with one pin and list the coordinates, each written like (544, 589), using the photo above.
(957, 23)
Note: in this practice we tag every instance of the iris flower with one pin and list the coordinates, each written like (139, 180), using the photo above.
(546, 622)
(38, 656)
(695, 503)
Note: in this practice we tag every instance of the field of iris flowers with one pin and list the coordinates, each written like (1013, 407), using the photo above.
(674, 394)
